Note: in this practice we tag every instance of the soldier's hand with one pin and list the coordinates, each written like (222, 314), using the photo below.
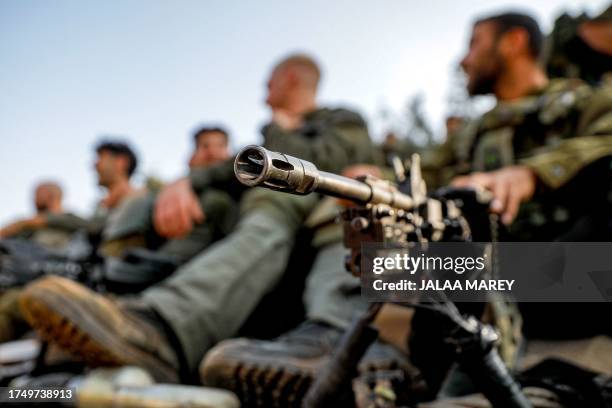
(510, 186)
(36, 222)
(361, 170)
(177, 210)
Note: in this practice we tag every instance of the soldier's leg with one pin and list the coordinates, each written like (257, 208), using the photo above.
(281, 370)
(204, 301)
(332, 294)
(221, 216)
(210, 297)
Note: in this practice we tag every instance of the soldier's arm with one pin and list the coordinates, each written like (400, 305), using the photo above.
(17, 228)
(68, 222)
(220, 175)
(177, 208)
(553, 166)
(65, 221)
(221, 215)
(221, 211)
(556, 165)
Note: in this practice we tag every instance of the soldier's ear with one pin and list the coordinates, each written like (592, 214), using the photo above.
(292, 76)
(124, 163)
(514, 42)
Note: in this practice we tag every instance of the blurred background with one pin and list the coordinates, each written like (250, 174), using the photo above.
(151, 71)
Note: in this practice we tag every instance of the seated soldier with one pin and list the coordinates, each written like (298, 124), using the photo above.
(130, 226)
(171, 325)
(219, 209)
(115, 163)
(135, 220)
(47, 200)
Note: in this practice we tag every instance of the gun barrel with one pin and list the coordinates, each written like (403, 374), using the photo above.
(257, 166)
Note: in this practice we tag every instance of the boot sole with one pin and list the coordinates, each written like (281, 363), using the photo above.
(261, 386)
(264, 386)
(58, 319)
(260, 382)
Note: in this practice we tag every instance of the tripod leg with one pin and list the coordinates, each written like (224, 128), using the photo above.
(333, 384)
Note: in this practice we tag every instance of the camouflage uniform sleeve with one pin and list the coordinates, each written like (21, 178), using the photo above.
(336, 144)
(560, 165)
(557, 165)
(67, 222)
(288, 210)
(203, 177)
(220, 209)
(437, 163)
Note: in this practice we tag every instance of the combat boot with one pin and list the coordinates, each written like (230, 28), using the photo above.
(278, 373)
(100, 330)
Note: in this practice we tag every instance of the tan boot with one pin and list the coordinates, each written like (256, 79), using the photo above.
(96, 328)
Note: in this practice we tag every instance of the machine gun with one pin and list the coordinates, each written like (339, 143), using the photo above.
(395, 214)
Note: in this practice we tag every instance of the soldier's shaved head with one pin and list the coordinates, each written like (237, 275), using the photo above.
(49, 187)
(48, 197)
(293, 82)
(304, 66)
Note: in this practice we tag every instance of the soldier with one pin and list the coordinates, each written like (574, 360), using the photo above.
(172, 324)
(130, 226)
(530, 151)
(219, 209)
(533, 151)
(211, 147)
(47, 200)
(135, 221)
(581, 47)
(115, 163)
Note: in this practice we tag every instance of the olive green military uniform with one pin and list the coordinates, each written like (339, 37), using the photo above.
(210, 297)
(567, 55)
(556, 132)
(71, 222)
(570, 126)
(134, 222)
(92, 226)
(58, 232)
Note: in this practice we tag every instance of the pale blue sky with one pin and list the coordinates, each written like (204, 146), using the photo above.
(72, 71)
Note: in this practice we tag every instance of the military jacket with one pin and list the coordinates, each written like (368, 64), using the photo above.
(557, 132)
